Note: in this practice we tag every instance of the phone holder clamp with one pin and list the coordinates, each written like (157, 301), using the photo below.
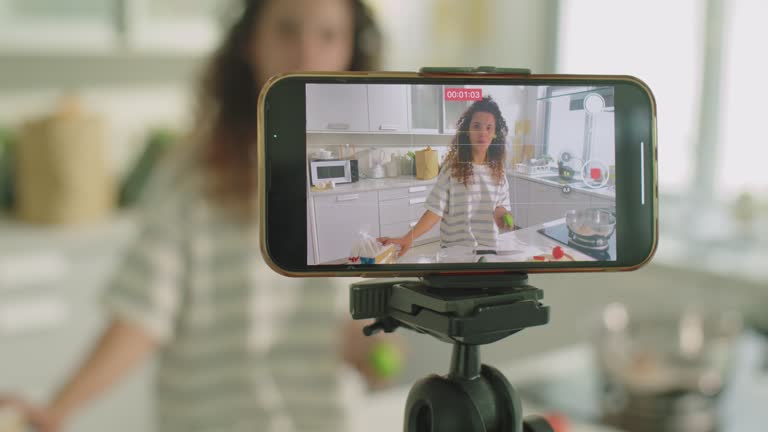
(466, 312)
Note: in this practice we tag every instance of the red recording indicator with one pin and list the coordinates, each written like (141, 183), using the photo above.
(463, 94)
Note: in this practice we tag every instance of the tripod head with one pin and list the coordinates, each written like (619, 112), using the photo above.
(466, 312)
(454, 310)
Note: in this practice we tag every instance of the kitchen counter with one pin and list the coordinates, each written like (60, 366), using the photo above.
(514, 246)
(608, 192)
(369, 184)
(517, 246)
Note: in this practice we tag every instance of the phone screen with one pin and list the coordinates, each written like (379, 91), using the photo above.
(492, 173)
(440, 175)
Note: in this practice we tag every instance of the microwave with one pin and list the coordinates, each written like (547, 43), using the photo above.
(336, 171)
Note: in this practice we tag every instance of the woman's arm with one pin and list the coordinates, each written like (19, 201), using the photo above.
(425, 223)
(121, 347)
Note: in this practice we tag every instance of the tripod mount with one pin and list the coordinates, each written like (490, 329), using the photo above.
(466, 312)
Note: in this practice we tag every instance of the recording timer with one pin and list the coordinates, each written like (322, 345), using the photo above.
(463, 94)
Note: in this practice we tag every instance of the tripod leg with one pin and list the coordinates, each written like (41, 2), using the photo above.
(439, 404)
(505, 399)
(452, 404)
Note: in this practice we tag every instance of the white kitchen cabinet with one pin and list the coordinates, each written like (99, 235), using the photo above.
(337, 107)
(388, 108)
(519, 197)
(451, 112)
(394, 211)
(397, 229)
(340, 218)
(400, 209)
(425, 107)
(605, 203)
(548, 203)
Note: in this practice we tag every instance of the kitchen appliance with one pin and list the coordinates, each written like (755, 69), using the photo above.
(590, 231)
(393, 166)
(591, 227)
(662, 369)
(377, 163)
(408, 164)
(336, 171)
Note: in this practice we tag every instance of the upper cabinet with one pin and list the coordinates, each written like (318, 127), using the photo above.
(381, 108)
(451, 112)
(337, 107)
(425, 106)
(53, 26)
(388, 108)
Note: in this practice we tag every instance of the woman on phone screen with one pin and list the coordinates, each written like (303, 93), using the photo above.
(471, 196)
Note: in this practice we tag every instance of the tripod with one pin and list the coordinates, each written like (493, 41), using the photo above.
(467, 313)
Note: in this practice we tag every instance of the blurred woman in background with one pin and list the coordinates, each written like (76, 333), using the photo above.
(239, 348)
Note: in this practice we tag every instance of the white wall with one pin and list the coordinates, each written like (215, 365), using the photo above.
(507, 33)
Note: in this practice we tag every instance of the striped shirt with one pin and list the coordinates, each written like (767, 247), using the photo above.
(242, 349)
(467, 210)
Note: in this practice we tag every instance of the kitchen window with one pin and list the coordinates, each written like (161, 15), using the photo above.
(51, 25)
(705, 63)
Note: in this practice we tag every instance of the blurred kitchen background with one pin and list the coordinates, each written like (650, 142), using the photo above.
(120, 75)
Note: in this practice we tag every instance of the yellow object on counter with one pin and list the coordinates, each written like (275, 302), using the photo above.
(62, 173)
(427, 165)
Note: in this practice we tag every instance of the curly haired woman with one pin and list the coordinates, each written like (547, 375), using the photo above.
(471, 196)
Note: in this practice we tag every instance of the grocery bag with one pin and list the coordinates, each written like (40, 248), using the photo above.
(427, 165)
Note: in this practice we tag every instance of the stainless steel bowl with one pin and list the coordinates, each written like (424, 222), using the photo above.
(591, 222)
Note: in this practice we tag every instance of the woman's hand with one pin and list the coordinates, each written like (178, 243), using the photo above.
(501, 218)
(38, 418)
(404, 243)
(357, 350)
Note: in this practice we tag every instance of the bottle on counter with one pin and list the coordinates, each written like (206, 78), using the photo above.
(408, 165)
(393, 166)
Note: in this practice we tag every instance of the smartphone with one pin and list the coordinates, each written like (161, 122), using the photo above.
(417, 174)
